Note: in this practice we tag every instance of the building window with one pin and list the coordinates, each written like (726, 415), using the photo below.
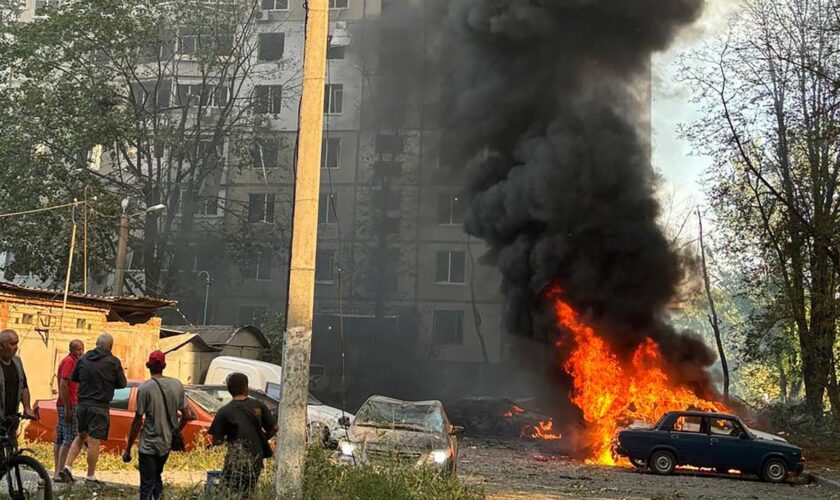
(210, 206)
(187, 43)
(450, 210)
(202, 95)
(325, 266)
(261, 207)
(392, 144)
(271, 46)
(339, 4)
(330, 152)
(269, 99)
(252, 315)
(327, 209)
(448, 327)
(27, 319)
(333, 98)
(81, 323)
(43, 7)
(335, 53)
(451, 267)
(266, 154)
(259, 266)
(275, 4)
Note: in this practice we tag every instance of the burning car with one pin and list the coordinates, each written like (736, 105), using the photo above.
(492, 416)
(416, 433)
(709, 440)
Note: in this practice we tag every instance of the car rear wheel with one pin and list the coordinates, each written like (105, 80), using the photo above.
(662, 462)
(775, 470)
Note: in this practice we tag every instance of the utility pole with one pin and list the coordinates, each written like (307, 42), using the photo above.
(122, 250)
(297, 345)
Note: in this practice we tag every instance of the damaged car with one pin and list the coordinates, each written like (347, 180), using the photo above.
(390, 431)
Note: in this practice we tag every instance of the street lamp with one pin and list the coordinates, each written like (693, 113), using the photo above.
(207, 281)
(122, 245)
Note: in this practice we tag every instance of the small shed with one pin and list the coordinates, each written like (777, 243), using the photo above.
(187, 355)
(241, 341)
(45, 327)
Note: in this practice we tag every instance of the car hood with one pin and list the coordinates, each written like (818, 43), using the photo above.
(325, 413)
(767, 436)
(396, 438)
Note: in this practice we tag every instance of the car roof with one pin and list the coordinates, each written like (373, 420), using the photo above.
(697, 413)
(383, 399)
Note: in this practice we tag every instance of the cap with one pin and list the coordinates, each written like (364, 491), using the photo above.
(157, 358)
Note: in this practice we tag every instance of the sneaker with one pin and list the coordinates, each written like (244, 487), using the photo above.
(92, 481)
(66, 475)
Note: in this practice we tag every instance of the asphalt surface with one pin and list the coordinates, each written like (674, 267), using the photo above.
(508, 469)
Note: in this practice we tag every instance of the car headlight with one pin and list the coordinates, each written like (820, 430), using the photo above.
(440, 456)
(347, 448)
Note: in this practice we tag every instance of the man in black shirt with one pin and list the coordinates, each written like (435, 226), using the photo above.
(13, 386)
(244, 424)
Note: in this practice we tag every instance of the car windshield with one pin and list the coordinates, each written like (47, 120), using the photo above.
(205, 401)
(387, 414)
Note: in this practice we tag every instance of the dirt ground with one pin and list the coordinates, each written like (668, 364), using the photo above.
(507, 469)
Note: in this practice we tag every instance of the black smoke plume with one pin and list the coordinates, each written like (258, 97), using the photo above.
(547, 109)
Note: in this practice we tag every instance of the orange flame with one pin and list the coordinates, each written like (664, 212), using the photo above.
(612, 393)
(545, 430)
(514, 410)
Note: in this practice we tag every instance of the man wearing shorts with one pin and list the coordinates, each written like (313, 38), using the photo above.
(98, 373)
(66, 428)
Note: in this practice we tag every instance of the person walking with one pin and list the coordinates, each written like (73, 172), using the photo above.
(158, 401)
(244, 424)
(14, 388)
(98, 373)
(66, 428)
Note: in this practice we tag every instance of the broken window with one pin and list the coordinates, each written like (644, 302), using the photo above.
(325, 266)
(266, 154)
(390, 144)
(259, 266)
(271, 46)
(330, 152)
(450, 210)
(451, 267)
(333, 98)
(261, 207)
(268, 99)
(448, 327)
(327, 209)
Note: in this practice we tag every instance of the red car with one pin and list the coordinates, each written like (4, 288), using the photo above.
(202, 408)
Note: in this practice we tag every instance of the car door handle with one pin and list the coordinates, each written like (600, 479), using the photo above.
(675, 436)
(714, 440)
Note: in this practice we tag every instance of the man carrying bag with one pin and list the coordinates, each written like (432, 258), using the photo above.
(158, 400)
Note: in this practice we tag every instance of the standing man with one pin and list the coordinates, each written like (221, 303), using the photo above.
(244, 424)
(66, 428)
(158, 400)
(13, 386)
(98, 373)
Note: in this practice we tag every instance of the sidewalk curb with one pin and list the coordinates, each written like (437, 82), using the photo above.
(825, 483)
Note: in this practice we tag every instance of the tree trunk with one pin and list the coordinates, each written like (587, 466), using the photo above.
(713, 317)
(782, 380)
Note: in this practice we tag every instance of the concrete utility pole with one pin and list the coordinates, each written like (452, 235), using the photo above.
(297, 345)
(122, 250)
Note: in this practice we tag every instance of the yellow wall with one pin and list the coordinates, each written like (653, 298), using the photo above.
(44, 337)
(187, 365)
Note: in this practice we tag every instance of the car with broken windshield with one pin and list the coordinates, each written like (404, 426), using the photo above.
(717, 441)
(389, 431)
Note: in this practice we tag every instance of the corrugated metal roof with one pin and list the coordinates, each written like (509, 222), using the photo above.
(131, 301)
(219, 335)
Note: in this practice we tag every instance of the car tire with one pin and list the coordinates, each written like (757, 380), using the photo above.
(774, 470)
(662, 462)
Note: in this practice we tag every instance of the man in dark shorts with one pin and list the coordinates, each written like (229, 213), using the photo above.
(244, 424)
(98, 373)
(14, 388)
(66, 428)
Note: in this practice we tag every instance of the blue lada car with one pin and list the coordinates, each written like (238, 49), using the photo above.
(709, 440)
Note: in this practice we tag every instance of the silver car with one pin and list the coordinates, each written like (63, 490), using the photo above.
(390, 431)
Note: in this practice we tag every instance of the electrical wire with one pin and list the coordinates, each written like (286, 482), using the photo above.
(45, 209)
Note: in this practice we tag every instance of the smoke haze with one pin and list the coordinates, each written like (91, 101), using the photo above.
(548, 108)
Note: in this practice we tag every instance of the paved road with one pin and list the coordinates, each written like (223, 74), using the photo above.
(508, 470)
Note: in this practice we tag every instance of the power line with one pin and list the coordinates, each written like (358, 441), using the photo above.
(45, 209)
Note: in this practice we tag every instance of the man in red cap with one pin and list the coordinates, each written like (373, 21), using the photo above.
(159, 400)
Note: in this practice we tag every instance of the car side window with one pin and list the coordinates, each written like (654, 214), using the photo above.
(725, 427)
(120, 399)
(688, 423)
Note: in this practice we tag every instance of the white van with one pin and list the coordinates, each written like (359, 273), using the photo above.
(261, 375)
